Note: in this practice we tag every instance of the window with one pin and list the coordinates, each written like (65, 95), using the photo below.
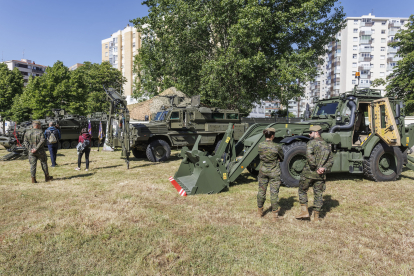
(133, 45)
(354, 64)
(356, 21)
(373, 31)
(382, 74)
(382, 31)
(354, 56)
(355, 48)
(106, 54)
(383, 22)
(382, 57)
(372, 56)
(353, 73)
(218, 116)
(382, 65)
(365, 55)
(353, 81)
(382, 40)
(382, 49)
(382, 111)
(106, 46)
(133, 34)
(355, 39)
(365, 37)
(175, 115)
(233, 116)
(402, 21)
(355, 30)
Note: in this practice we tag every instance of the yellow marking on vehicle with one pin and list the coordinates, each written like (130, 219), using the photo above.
(286, 125)
(242, 167)
(224, 176)
(227, 140)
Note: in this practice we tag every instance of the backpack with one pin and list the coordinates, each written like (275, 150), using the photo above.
(52, 138)
(86, 143)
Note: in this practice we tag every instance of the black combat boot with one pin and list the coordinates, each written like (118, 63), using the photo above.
(48, 178)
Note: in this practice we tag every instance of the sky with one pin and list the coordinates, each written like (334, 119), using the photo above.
(72, 31)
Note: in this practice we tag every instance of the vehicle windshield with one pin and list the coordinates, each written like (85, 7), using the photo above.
(160, 115)
(327, 108)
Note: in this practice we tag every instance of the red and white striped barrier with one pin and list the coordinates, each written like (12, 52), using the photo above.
(177, 186)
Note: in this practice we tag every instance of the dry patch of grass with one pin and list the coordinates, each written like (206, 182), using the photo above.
(110, 220)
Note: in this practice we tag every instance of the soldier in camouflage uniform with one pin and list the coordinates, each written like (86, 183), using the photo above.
(34, 141)
(319, 162)
(269, 174)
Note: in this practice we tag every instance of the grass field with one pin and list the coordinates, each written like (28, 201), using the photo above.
(110, 220)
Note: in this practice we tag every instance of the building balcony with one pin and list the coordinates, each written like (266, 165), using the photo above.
(364, 67)
(392, 33)
(365, 49)
(365, 41)
(37, 71)
(364, 59)
(337, 70)
(365, 33)
(337, 87)
(365, 76)
(364, 85)
(390, 68)
(394, 24)
(337, 54)
(366, 24)
(391, 50)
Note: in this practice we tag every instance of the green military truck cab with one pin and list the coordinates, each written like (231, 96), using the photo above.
(180, 126)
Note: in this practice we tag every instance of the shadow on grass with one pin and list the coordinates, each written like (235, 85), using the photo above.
(328, 205)
(243, 179)
(345, 176)
(73, 163)
(74, 176)
(108, 167)
(285, 205)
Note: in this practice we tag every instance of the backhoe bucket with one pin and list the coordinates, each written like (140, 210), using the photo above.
(198, 175)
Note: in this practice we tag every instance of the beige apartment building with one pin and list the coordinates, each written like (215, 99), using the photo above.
(120, 50)
(362, 46)
(27, 68)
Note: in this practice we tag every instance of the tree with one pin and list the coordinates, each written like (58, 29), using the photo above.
(11, 85)
(233, 52)
(401, 80)
(78, 92)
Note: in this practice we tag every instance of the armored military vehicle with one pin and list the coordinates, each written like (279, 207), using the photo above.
(366, 132)
(70, 127)
(180, 126)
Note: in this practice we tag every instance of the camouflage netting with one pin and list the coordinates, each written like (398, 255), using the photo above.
(139, 110)
(158, 102)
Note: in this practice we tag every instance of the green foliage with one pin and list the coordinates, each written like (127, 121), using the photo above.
(401, 80)
(232, 52)
(78, 92)
(378, 82)
(282, 113)
(11, 86)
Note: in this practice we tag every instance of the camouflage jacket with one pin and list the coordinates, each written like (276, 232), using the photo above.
(318, 155)
(34, 139)
(270, 154)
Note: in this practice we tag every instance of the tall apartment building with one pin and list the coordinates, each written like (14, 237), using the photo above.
(362, 46)
(27, 68)
(120, 50)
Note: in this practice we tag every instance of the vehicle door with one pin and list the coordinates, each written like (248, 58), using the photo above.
(383, 122)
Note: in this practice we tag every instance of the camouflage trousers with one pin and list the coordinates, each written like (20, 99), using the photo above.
(273, 180)
(33, 157)
(318, 189)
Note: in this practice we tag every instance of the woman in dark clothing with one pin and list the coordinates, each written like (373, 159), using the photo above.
(84, 136)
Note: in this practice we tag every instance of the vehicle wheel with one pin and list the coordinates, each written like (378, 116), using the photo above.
(59, 145)
(293, 164)
(65, 145)
(96, 143)
(158, 150)
(138, 153)
(73, 144)
(384, 164)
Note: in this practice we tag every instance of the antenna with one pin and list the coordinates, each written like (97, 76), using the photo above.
(372, 12)
(23, 53)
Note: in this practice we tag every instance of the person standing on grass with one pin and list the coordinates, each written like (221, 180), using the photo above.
(85, 139)
(270, 155)
(34, 141)
(319, 162)
(52, 136)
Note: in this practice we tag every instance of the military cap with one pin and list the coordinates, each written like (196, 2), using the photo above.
(36, 122)
(271, 129)
(315, 128)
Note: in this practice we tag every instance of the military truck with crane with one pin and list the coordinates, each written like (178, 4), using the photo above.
(366, 131)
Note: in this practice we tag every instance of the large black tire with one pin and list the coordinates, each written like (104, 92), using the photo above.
(293, 164)
(73, 144)
(252, 170)
(66, 145)
(384, 164)
(138, 153)
(158, 151)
